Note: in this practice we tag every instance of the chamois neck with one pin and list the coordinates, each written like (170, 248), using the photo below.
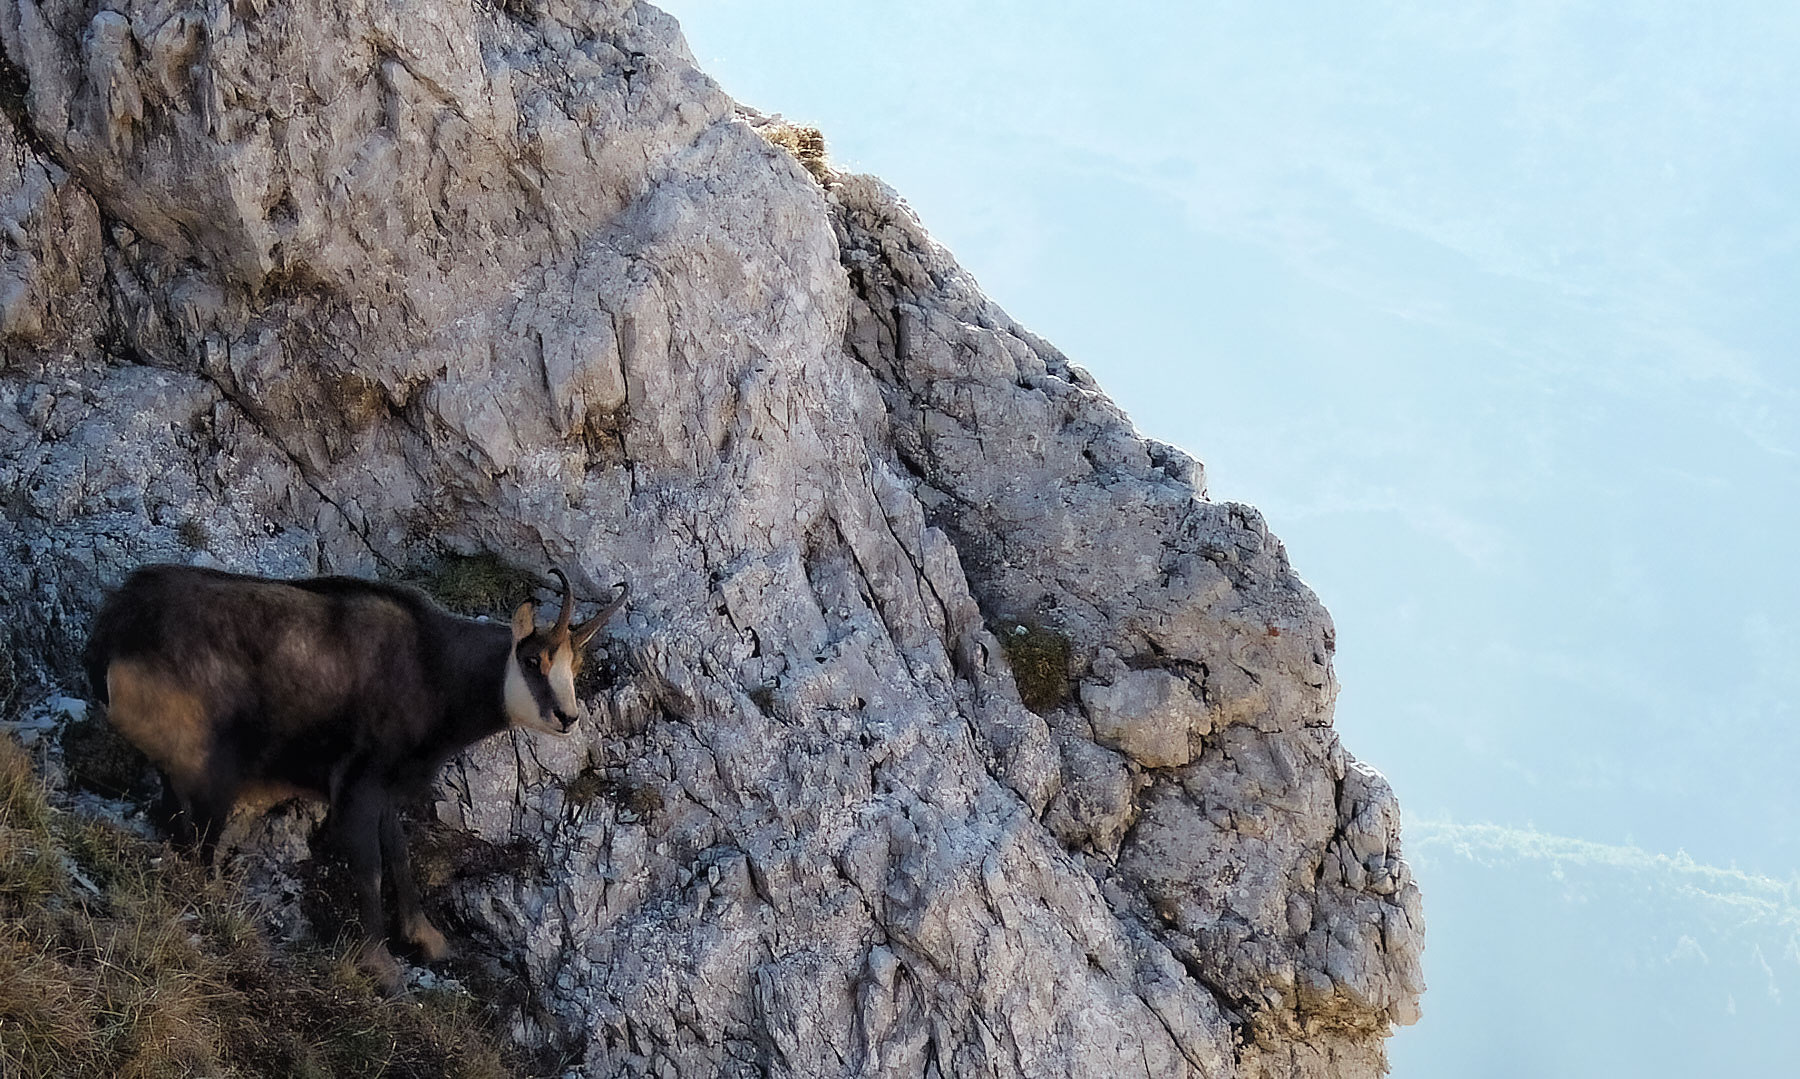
(475, 699)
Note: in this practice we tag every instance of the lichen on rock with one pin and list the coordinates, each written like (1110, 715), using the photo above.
(372, 287)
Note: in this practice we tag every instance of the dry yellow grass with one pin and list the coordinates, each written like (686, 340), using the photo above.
(119, 958)
(807, 144)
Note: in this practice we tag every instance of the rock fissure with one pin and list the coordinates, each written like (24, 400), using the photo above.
(300, 468)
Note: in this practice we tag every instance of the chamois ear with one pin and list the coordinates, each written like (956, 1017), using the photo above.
(524, 622)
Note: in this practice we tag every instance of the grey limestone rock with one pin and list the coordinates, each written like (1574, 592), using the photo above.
(310, 287)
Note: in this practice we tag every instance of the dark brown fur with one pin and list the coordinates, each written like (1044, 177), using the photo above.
(348, 691)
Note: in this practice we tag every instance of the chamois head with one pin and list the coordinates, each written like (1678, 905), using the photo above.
(543, 663)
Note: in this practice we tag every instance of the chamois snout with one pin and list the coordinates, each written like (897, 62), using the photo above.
(541, 670)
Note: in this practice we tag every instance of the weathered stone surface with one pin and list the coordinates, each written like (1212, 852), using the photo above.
(346, 288)
(1150, 716)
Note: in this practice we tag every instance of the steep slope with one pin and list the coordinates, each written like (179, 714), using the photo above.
(347, 287)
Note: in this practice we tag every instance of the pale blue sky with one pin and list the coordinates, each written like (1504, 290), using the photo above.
(1490, 308)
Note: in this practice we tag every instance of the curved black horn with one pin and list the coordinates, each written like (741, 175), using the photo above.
(585, 632)
(615, 603)
(568, 603)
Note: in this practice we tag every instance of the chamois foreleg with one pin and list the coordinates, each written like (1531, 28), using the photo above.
(209, 824)
(415, 928)
(173, 818)
(194, 819)
(357, 829)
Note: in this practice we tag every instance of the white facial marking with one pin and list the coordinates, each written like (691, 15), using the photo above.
(521, 707)
(562, 681)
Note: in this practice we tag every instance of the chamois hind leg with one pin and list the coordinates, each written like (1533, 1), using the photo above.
(415, 928)
(358, 833)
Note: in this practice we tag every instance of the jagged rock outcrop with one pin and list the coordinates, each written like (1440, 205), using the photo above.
(346, 287)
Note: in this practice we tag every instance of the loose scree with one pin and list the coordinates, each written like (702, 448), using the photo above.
(347, 691)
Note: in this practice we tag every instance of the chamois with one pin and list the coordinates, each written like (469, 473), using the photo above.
(347, 691)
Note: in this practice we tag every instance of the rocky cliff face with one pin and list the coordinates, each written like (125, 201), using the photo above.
(349, 287)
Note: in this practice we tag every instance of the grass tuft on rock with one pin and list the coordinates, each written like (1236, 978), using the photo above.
(478, 584)
(193, 534)
(1039, 658)
(806, 143)
(119, 958)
